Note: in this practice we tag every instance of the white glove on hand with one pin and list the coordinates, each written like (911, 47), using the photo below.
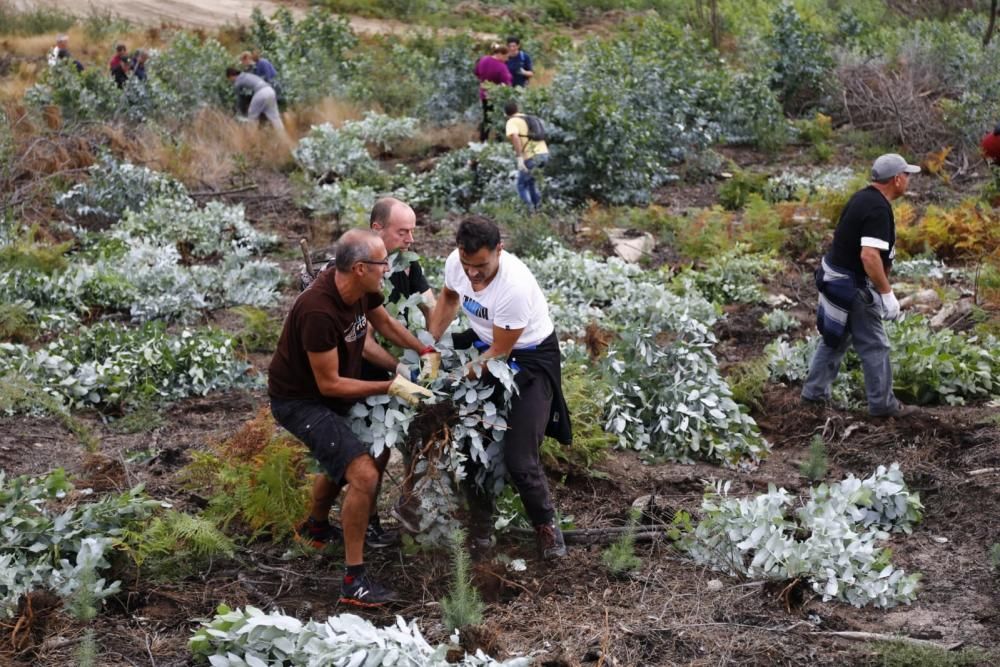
(408, 391)
(430, 365)
(522, 71)
(407, 371)
(520, 164)
(890, 306)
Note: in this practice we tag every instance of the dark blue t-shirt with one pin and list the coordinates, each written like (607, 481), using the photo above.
(515, 63)
(265, 70)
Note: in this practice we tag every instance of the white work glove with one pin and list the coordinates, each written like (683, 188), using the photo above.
(407, 371)
(430, 364)
(890, 306)
(520, 164)
(522, 72)
(408, 391)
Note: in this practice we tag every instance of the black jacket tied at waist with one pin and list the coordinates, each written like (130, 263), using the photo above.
(539, 361)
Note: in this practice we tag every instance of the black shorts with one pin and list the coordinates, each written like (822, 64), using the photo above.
(327, 435)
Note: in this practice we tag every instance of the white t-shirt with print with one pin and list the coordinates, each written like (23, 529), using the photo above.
(512, 300)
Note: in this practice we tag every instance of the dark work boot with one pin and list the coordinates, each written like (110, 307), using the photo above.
(550, 540)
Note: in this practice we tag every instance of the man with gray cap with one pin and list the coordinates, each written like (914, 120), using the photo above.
(855, 294)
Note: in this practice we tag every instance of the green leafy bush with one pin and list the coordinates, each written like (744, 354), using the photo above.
(802, 62)
(671, 401)
(251, 637)
(90, 95)
(312, 55)
(831, 539)
(115, 188)
(928, 366)
(779, 321)
(109, 366)
(52, 540)
(733, 277)
(735, 192)
(463, 179)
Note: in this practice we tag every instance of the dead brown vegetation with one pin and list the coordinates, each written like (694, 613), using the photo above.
(897, 105)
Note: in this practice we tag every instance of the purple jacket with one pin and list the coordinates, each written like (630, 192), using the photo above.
(490, 69)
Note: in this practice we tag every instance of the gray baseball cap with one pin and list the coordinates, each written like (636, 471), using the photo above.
(890, 164)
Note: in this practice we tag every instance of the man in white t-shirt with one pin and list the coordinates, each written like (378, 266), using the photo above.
(510, 319)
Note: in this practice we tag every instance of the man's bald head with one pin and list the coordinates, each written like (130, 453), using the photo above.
(355, 245)
(394, 221)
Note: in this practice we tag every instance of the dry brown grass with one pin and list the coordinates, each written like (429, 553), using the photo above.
(214, 148)
(431, 141)
(22, 76)
(328, 110)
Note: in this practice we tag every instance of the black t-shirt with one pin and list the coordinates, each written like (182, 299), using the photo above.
(407, 283)
(320, 321)
(866, 221)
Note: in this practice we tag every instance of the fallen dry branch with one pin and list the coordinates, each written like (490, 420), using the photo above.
(898, 106)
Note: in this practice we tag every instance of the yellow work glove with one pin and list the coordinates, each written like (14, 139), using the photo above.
(430, 364)
(408, 391)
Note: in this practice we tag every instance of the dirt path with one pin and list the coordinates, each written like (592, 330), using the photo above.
(212, 13)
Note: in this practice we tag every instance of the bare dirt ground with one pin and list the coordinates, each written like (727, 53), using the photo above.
(213, 13)
(671, 612)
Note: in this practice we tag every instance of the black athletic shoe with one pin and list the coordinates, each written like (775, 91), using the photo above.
(378, 537)
(318, 534)
(363, 591)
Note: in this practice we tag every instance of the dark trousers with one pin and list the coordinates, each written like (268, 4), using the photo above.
(527, 419)
(484, 127)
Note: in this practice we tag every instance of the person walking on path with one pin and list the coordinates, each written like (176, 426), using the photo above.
(855, 295)
(491, 69)
(313, 380)
(518, 63)
(264, 101)
(510, 319)
(531, 151)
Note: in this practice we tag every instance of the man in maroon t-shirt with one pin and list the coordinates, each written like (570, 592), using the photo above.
(990, 146)
(492, 69)
(313, 380)
(119, 65)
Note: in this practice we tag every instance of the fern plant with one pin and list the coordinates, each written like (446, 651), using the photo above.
(176, 545)
(267, 492)
(463, 606)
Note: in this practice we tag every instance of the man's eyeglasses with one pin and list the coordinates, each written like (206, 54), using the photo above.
(383, 262)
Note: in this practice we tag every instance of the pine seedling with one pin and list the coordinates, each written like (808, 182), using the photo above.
(83, 607)
(463, 606)
(994, 555)
(620, 558)
(815, 466)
